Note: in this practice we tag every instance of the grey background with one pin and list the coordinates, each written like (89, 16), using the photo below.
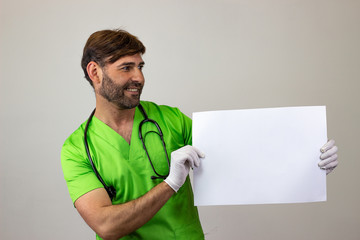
(201, 55)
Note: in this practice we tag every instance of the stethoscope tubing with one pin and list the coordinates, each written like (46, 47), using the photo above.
(110, 189)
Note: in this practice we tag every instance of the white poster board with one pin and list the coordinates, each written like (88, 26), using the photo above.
(260, 156)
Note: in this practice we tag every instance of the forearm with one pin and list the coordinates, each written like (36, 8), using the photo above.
(115, 221)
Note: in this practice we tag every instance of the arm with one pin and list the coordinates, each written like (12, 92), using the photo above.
(115, 221)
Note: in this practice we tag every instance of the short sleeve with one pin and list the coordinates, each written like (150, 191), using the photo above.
(79, 176)
(187, 129)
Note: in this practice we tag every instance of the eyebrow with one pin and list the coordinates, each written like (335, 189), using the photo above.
(130, 64)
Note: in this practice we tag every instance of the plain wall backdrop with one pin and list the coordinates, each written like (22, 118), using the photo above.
(201, 55)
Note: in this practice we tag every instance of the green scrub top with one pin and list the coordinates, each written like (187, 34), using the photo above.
(127, 168)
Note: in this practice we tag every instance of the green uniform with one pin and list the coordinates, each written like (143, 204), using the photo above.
(127, 168)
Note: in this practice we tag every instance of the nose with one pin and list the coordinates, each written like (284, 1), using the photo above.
(138, 75)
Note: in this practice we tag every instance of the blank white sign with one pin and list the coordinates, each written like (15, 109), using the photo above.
(260, 156)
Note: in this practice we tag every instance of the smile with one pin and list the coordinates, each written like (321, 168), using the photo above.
(132, 89)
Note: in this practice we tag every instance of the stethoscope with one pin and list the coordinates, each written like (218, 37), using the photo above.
(110, 189)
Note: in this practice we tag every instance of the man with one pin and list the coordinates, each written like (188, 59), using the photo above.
(131, 191)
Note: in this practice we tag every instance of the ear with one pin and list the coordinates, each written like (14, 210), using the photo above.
(95, 72)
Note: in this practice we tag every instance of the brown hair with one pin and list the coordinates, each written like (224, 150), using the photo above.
(107, 46)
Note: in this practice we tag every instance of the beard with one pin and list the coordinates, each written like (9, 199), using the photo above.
(115, 93)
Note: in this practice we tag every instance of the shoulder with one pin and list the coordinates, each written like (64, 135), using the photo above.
(74, 143)
(171, 118)
(153, 109)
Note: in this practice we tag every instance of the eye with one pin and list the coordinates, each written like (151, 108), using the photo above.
(140, 67)
(126, 68)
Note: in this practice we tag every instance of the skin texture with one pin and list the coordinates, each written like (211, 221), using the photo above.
(115, 102)
(115, 221)
(118, 87)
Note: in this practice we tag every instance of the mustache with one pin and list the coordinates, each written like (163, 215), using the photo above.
(133, 84)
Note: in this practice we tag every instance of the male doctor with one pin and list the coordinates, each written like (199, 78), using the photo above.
(132, 192)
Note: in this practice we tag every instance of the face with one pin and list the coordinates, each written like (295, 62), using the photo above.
(122, 82)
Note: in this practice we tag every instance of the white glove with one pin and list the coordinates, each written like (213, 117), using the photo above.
(181, 161)
(329, 156)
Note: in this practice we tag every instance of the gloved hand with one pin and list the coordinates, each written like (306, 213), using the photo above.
(329, 156)
(181, 161)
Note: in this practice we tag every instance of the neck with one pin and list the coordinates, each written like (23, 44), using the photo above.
(113, 116)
